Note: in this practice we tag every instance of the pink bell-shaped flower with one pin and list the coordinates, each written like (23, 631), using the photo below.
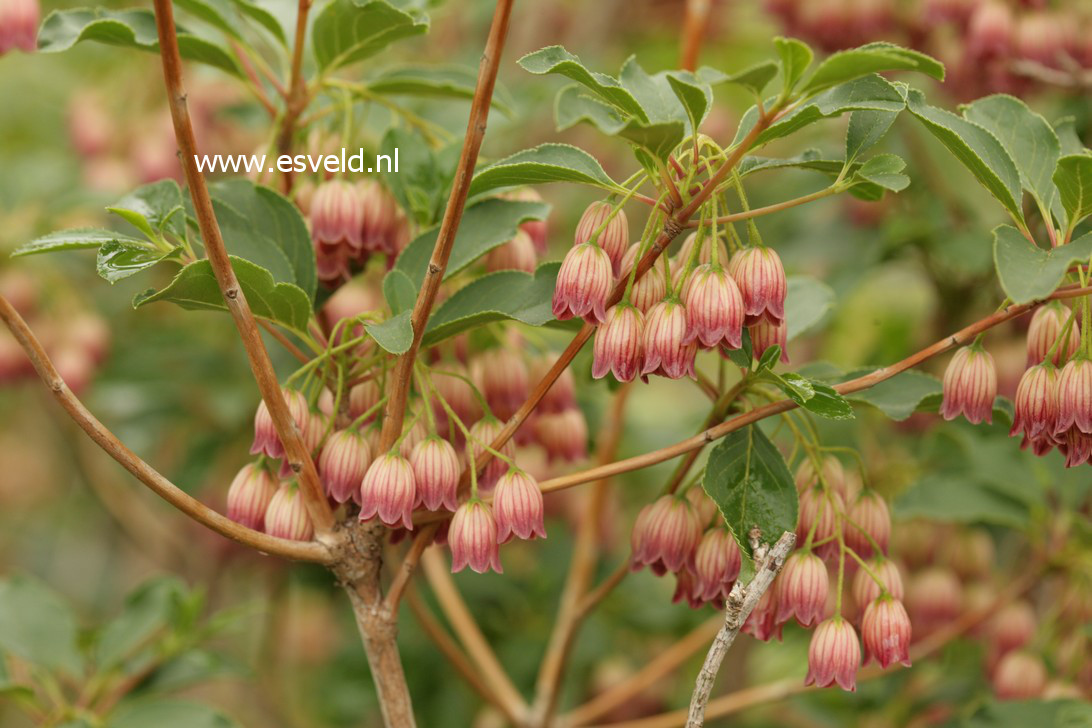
(583, 284)
(834, 655)
(517, 507)
(472, 538)
(389, 490)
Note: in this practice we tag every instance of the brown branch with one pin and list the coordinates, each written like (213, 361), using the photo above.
(297, 454)
(581, 570)
(774, 408)
(694, 24)
(453, 215)
(296, 98)
(741, 601)
(464, 626)
(284, 341)
(142, 471)
(657, 668)
(599, 593)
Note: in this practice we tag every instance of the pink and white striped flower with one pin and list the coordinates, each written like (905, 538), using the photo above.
(389, 490)
(472, 538)
(583, 284)
(517, 507)
(970, 385)
(834, 655)
(619, 344)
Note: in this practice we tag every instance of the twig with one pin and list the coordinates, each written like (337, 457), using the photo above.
(740, 602)
(296, 98)
(581, 570)
(284, 341)
(453, 215)
(142, 471)
(297, 454)
(768, 209)
(462, 622)
(599, 593)
(694, 23)
(661, 665)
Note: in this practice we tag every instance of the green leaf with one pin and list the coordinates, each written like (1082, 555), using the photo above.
(154, 209)
(542, 164)
(74, 239)
(747, 478)
(395, 334)
(421, 181)
(884, 170)
(399, 291)
(811, 159)
(347, 31)
(866, 128)
(263, 18)
(118, 260)
(195, 289)
(557, 60)
(872, 58)
(743, 357)
(1026, 136)
(796, 56)
(214, 12)
(498, 296)
(486, 225)
(873, 93)
(133, 28)
(807, 301)
(1070, 141)
(754, 78)
(826, 402)
(694, 94)
(1073, 177)
(450, 82)
(959, 500)
(167, 713)
(193, 667)
(1028, 273)
(899, 396)
(769, 359)
(977, 149)
(266, 229)
(152, 608)
(36, 625)
(574, 104)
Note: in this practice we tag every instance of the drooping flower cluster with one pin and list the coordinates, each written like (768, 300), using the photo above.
(349, 222)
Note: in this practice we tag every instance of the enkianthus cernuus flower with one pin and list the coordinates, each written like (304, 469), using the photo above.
(517, 507)
(583, 284)
(765, 334)
(970, 385)
(249, 495)
(472, 538)
(868, 524)
(563, 435)
(665, 535)
(436, 473)
(834, 655)
(1075, 397)
(344, 459)
(665, 352)
(502, 378)
(619, 344)
(762, 622)
(1035, 406)
(389, 490)
(761, 279)
(649, 289)
(818, 516)
(266, 441)
(517, 254)
(714, 308)
(614, 239)
(19, 25)
(717, 562)
(1046, 327)
(482, 435)
(286, 516)
(803, 586)
(886, 631)
(865, 590)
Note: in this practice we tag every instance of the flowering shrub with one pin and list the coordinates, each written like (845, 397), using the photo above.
(432, 403)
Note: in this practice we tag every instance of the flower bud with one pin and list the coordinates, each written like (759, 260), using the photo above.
(762, 622)
(583, 284)
(765, 334)
(286, 516)
(563, 435)
(803, 588)
(970, 386)
(714, 308)
(665, 352)
(665, 535)
(266, 441)
(1036, 403)
(865, 588)
(818, 516)
(761, 279)
(337, 215)
(1019, 676)
(885, 631)
(379, 217)
(249, 495)
(834, 655)
(716, 565)
(650, 288)
(1046, 326)
(517, 254)
(517, 507)
(619, 345)
(389, 490)
(435, 473)
(1075, 397)
(483, 434)
(934, 598)
(868, 522)
(19, 25)
(502, 379)
(473, 539)
(342, 464)
(1012, 627)
(615, 236)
